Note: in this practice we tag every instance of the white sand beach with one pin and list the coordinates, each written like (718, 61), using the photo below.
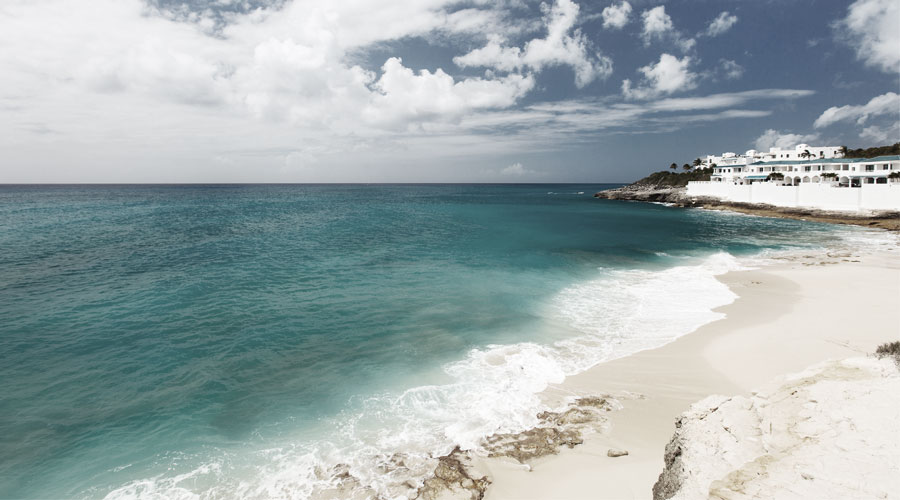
(788, 317)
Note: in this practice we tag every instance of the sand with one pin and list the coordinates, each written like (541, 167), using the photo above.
(788, 316)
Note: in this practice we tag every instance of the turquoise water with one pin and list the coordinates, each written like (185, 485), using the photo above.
(216, 341)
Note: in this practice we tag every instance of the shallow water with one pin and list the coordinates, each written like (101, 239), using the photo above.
(241, 341)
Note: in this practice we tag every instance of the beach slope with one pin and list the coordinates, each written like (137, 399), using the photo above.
(788, 317)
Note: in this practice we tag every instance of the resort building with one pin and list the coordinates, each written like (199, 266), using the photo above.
(799, 152)
(805, 176)
(843, 172)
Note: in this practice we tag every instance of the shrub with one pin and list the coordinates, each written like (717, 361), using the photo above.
(891, 349)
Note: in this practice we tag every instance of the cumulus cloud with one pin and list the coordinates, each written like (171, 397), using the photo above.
(721, 24)
(656, 23)
(658, 26)
(515, 170)
(888, 103)
(773, 138)
(405, 95)
(562, 46)
(289, 63)
(731, 69)
(871, 29)
(616, 16)
(881, 135)
(667, 76)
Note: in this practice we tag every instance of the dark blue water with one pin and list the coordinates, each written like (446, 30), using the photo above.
(147, 332)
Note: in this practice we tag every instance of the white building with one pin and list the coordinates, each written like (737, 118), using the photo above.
(799, 152)
(843, 172)
(854, 184)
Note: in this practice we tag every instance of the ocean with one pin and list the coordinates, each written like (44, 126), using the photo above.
(269, 341)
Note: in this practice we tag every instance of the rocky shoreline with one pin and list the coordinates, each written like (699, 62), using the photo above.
(677, 196)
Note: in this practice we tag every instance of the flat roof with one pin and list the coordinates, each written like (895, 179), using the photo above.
(820, 161)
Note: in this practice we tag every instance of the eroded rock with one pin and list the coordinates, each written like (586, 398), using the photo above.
(452, 479)
(830, 421)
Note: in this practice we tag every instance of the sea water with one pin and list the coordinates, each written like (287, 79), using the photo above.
(264, 341)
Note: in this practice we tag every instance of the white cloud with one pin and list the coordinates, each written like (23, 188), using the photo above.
(656, 23)
(667, 76)
(541, 127)
(724, 100)
(731, 69)
(562, 46)
(881, 135)
(516, 170)
(406, 96)
(888, 103)
(658, 26)
(773, 138)
(616, 16)
(721, 24)
(871, 28)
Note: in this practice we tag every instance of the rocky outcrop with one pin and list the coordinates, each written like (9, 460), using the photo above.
(457, 478)
(677, 196)
(642, 192)
(828, 432)
(452, 479)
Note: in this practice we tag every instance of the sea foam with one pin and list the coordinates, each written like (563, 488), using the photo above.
(390, 445)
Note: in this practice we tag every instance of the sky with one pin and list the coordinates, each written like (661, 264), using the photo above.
(207, 91)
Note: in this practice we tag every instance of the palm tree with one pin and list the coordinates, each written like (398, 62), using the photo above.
(674, 166)
(805, 154)
(698, 162)
(686, 166)
(843, 151)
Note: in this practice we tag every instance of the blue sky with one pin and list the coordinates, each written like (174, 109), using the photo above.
(432, 90)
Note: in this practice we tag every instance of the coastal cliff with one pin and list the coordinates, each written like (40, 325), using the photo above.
(826, 432)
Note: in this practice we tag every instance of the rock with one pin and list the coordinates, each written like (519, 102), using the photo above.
(829, 421)
(616, 453)
(453, 479)
(677, 196)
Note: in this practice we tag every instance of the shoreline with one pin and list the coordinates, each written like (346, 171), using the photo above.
(780, 323)
(677, 197)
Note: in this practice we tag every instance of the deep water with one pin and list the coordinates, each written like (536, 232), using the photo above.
(218, 340)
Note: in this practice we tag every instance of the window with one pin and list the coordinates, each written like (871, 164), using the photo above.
(870, 168)
(885, 167)
(846, 167)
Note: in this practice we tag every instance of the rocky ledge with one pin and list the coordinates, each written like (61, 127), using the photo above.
(827, 432)
(677, 196)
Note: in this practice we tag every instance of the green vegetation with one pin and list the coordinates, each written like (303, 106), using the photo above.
(674, 179)
(872, 152)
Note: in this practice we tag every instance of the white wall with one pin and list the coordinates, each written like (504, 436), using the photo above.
(823, 195)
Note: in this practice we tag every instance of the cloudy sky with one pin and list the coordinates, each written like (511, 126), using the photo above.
(432, 90)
